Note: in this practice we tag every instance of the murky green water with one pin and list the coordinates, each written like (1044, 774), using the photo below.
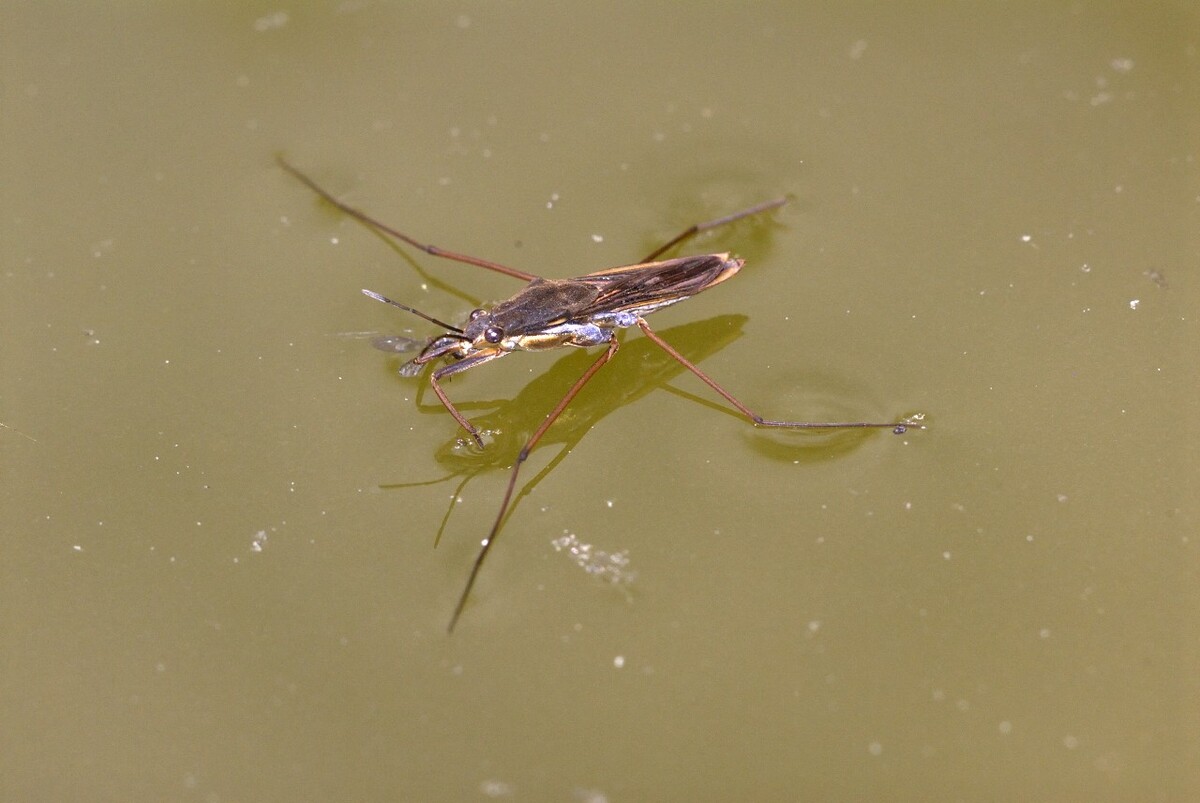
(207, 595)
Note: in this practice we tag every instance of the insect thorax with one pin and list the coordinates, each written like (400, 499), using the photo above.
(581, 335)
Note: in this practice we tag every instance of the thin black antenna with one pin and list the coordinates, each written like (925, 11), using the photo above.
(416, 312)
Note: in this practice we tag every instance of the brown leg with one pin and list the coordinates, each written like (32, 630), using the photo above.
(432, 250)
(522, 456)
(898, 427)
(692, 231)
(455, 368)
(436, 251)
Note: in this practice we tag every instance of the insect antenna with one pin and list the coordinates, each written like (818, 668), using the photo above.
(416, 312)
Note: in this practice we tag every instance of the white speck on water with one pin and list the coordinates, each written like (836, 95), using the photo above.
(1070, 742)
(1026, 238)
(1086, 268)
(875, 748)
(597, 238)
(1122, 66)
(1133, 303)
(77, 548)
(619, 662)
(1061, 497)
(272, 21)
(333, 241)
(496, 788)
(462, 21)
(946, 555)
(814, 625)
(611, 567)
(1005, 727)
(858, 48)
(1044, 633)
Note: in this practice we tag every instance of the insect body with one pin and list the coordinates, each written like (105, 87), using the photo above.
(552, 313)
(584, 311)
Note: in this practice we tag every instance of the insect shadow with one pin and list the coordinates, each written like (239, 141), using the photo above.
(581, 312)
(642, 369)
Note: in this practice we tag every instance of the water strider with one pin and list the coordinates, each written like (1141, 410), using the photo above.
(583, 311)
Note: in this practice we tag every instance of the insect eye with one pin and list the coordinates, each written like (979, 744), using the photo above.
(493, 334)
(475, 313)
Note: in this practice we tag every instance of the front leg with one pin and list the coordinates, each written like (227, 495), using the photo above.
(478, 358)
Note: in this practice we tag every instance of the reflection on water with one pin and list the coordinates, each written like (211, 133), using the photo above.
(639, 368)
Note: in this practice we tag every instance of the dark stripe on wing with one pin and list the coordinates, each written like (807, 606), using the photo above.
(658, 282)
